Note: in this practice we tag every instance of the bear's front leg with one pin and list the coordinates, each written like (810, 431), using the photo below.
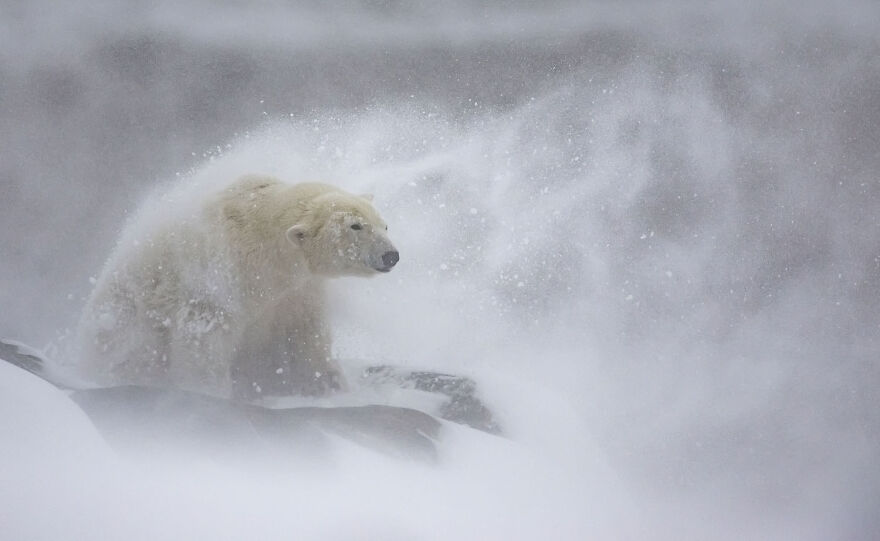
(294, 369)
(314, 371)
(284, 352)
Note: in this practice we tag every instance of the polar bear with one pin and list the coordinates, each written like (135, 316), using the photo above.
(227, 297)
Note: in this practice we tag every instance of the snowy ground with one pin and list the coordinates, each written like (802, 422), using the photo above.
(66, 482)
(648, 231)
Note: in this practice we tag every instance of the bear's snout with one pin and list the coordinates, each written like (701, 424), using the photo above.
(389, 259)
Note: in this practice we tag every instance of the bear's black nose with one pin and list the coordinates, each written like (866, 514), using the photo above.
(389, 259)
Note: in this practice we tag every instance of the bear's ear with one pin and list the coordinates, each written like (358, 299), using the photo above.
(296, 234)
(367, 196)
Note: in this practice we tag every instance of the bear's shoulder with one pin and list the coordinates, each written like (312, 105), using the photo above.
(256, 184)
(253, 183)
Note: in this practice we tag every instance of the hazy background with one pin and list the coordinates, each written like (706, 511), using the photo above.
(651, 231)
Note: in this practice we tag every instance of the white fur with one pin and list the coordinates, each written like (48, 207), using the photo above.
(227, 297)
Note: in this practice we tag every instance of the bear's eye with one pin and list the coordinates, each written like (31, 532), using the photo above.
(357, 227)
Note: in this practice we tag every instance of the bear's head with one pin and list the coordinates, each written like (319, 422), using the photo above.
(341, 234)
